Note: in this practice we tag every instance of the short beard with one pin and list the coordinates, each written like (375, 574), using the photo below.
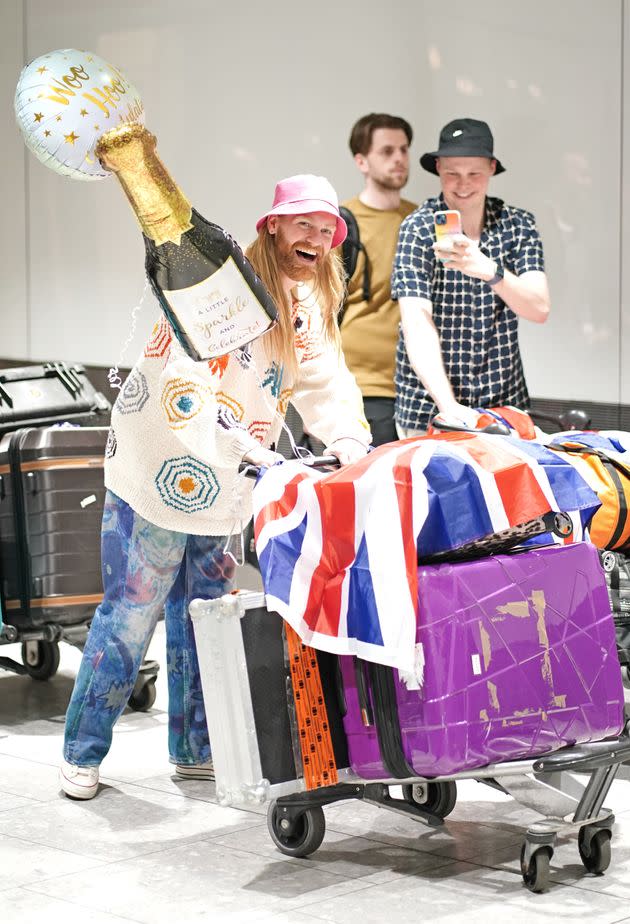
(389, 183)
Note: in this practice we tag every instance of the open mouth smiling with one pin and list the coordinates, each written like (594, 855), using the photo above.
(309, 256)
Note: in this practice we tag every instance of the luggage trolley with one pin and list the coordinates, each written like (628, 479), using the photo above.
(240, 643)
(258, 740)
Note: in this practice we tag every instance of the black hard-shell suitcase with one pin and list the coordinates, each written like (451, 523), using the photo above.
(248, 659)
(39, 395)
(51, 506)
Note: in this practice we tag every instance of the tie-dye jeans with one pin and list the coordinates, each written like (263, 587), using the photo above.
(145, 569)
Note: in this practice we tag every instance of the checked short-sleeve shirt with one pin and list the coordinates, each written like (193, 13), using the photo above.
(478, 332)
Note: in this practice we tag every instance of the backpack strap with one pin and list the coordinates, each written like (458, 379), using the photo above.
(350, 250)
(605, 455)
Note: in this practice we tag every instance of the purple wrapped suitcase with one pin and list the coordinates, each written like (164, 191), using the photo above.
(520, 660)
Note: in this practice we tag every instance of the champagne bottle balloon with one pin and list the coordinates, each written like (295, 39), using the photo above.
(206, 287)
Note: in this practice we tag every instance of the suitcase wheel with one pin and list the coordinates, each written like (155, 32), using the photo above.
(536, 872)
(296, 835)
(144, 693)
(594, 847)
(142, 697)
(437, 798)
(40, 658)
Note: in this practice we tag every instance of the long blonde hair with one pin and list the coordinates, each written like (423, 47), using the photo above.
(327, 288)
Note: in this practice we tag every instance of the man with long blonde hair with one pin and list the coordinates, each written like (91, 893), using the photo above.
(295, 257)
(174, 496)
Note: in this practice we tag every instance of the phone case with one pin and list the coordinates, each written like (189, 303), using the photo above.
(447, 224)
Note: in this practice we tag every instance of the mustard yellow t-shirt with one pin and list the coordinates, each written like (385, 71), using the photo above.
(369, 330)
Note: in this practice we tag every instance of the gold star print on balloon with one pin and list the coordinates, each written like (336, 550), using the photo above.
(71, 138)
(40, 70)
(46, 133)
(39, 116)
(58, 119)
(84, 112)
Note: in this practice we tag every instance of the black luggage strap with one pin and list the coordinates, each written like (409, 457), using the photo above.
(360, 670)
(387, 722)
(612, 466)
(623, 506)
(602, 454)
(23, 560)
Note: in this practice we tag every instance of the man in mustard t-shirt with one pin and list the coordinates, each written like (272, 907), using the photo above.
(369, 326)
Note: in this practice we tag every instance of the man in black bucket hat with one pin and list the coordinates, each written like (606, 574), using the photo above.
(460, 302)
(463, 138)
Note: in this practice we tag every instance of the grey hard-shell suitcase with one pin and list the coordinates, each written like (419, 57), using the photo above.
(51, 506)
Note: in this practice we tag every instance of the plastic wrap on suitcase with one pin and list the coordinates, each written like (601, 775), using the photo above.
(51, 506)
(38, 395)
(248, 697)
(520, 659)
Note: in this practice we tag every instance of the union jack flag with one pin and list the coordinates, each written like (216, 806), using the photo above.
(338, 551)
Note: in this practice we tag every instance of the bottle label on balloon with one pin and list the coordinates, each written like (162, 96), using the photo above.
(219, 314)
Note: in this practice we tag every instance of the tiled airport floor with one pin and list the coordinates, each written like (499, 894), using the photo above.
(152, 848)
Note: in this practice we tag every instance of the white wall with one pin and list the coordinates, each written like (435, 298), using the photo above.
(241, 94)
(14, 303)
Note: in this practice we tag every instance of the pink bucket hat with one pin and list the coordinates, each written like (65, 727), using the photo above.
(299, 195)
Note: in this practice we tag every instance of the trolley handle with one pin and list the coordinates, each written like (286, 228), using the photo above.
(449, 426)
(585, 757)
(573, 419)
(252, 471)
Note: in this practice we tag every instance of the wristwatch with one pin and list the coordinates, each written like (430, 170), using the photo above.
(498, 274)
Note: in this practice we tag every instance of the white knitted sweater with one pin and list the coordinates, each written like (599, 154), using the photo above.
(180, 428)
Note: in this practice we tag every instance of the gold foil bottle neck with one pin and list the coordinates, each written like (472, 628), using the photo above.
(129, 151)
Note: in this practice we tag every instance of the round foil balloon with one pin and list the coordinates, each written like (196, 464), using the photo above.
(65, 101)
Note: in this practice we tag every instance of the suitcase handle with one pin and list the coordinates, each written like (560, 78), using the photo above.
(5, 397)
(68, 377)
(446, 426)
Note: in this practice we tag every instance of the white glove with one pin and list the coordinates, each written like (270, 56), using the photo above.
(347, 450)
(262, 457)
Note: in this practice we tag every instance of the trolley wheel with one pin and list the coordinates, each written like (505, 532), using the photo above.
(437, 798)
(597, 860)
(536, 873)
(306, 834)
(141, 700)
(41, 659)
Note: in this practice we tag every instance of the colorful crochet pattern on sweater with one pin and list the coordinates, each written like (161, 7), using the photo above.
(180, 428)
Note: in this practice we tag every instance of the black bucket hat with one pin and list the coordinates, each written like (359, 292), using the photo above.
(463, 138)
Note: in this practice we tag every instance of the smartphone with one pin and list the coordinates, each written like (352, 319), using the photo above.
(447, 224)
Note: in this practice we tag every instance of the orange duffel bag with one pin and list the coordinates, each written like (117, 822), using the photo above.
(609, 476)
